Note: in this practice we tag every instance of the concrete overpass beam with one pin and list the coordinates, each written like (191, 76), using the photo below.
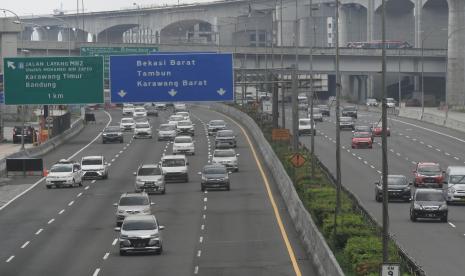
(455, 85)
(370, 20)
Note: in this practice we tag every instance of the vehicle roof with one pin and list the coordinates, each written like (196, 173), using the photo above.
(219, 150)
(148, 166)
(217, 120)
(131, 194)
(346, 117)
(127, 119)
(427, 164)
(177, 156)
(142, 122)
(140, 218)
(429, 190)
(93, 157)
(456, 169)
(167, 124)
(304, 119)
(215, 165)
(182, 136)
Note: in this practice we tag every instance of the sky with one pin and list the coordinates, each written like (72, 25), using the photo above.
(37, 7)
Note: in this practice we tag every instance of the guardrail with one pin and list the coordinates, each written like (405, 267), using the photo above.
(314, 242)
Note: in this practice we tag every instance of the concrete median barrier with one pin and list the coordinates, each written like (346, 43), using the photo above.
(314, 242)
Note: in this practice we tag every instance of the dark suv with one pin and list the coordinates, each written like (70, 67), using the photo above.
(112, 134)
(225, 139)
(428, 203)
(398, 188)
(350, 111)
(214, 176)
(29, 134)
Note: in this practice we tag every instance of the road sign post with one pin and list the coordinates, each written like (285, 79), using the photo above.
(169, 78)
(53, 80)
(390, 269)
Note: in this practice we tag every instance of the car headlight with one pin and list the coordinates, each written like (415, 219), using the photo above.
(204, 178)
(417, 206)
(146, 211)
(140, 183)
(123, 237)
(443, 207)
(406, 189)
(452, 190)
(120, 211)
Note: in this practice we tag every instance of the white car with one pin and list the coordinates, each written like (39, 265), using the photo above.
(64, 174)
(317, 116)
(185, 127)
(139, 112)
(174, 119)
(226, 157)
(305, 126)
(185, 114)
(390, 102)
(127, 124)
(184, 145)
(160, 106)
(180, 107)
(150, 179)
(175, 168)
(142, 130)
(128, 109)
(166, 132)
(94, 167)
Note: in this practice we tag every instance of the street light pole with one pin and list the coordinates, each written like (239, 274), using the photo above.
(295, 87)
(312, 92)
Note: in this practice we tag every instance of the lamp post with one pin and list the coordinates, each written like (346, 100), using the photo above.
(312, 92)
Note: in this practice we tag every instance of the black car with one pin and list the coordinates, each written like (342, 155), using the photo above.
(350, 111)
(428, 203)
(324, 109)
(398, 188)
(225, 139)
(112, 134)
(214, 176)
(29, 134)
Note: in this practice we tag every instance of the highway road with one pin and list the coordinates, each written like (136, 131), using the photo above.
(437, 247)
(70, 231)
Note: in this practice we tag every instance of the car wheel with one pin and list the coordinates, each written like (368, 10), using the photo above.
(228, 188)
(121, 141)
(122, 253)
(444, 218)
(163, 192)
(202, 188)
(103, 141)
(378, 198)
(160, 250)
(48, 186)
(412, 217)
(80, 183)
(415, 184)
(186, 180)
(236, 170)
(353, 147)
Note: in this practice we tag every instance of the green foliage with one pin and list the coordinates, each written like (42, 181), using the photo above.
(349, 225)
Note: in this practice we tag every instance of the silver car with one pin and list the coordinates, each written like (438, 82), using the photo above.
(226, 157)
(132, 204)
(166, 132)
(140, 234)
(150, 179)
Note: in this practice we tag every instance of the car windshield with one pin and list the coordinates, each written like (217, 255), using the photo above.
(316, 110)
(133, 201)
(224, 153)
(176, 118)
(149, 171)
(323, 107)
(91, 162)
(214, 170)
(429, 196)
(139, 109)
(397, 180)
(61, 168)
(349, 108)
(457, 179)
(127, 120)
(112, 129)
(363, 128)
(142, 125)
(173, 163)
(362, 135)
(225, 133)
(390, 100)
(183, 140)
(167, 127)
(181, 123)
(304, 122)
(217, 123)
(429, 169)
(346, 119)
(136, 225)
(371, 100)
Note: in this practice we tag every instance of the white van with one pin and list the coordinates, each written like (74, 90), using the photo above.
(454, 183)
(305, 127)
(175, 168)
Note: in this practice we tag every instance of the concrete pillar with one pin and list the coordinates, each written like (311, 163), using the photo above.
(418, 22)
(455, 84)
(342, 24)
(363, 89)
(370, 20)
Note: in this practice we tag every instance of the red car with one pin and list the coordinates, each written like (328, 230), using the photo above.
(428, 174)
(362, 140)
(378, 129)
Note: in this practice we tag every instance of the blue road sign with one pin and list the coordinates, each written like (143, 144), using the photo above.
(2, 97)
(171, 77)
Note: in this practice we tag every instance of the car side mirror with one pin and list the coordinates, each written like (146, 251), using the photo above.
(161, 227)
(238, 154)
(229, 172)
(199, 173)
(117, 229)
(410, 183)
(134, 173)
(115, 204)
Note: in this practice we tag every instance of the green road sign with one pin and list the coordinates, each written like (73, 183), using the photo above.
(53, 80)
(106, 52)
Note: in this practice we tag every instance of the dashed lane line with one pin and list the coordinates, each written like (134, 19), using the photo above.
(39, 231)
(10, 258)
(25, 244)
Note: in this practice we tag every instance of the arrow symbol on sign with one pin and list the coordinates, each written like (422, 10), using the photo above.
(172, 92)
(11, 65)
(221, 91)
(122, 93)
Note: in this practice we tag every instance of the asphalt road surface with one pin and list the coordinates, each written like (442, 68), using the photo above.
(70, 231)
(437, 247)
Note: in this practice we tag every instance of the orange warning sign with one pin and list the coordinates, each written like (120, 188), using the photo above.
(297, 160)
(280, 134)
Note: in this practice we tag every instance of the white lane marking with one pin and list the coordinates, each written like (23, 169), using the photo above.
(391, 150)
(205, 207)
(113, 160)
(429, 146)
(359, 158)
(78, 195)
(39, 231)
(71, 203)
(201, 239)
(348, 151)
(127, 144)
(379, 172)
(371, 166)
(206, 191)
(414, 139)
(400, 133)
(406, 136)
(199, 253)
(93, 181)
(51, 221)
(86, 188)
(114, 242)
(205, 199)
(196, 269)
(446, 153)
(430, 130)
(106, 255)
(202, 227)
(366, 163)
(343, 147)
(451, 224)
(353, 154)
(413, 162)
(120, 151)
(96, 272)
(398, 154)
(438, 150)
(116, 156)
(125, 148)
(456, 158)
(25, 244)
(10, 258)
(61, 212)
(204, 216)
(421, 142)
